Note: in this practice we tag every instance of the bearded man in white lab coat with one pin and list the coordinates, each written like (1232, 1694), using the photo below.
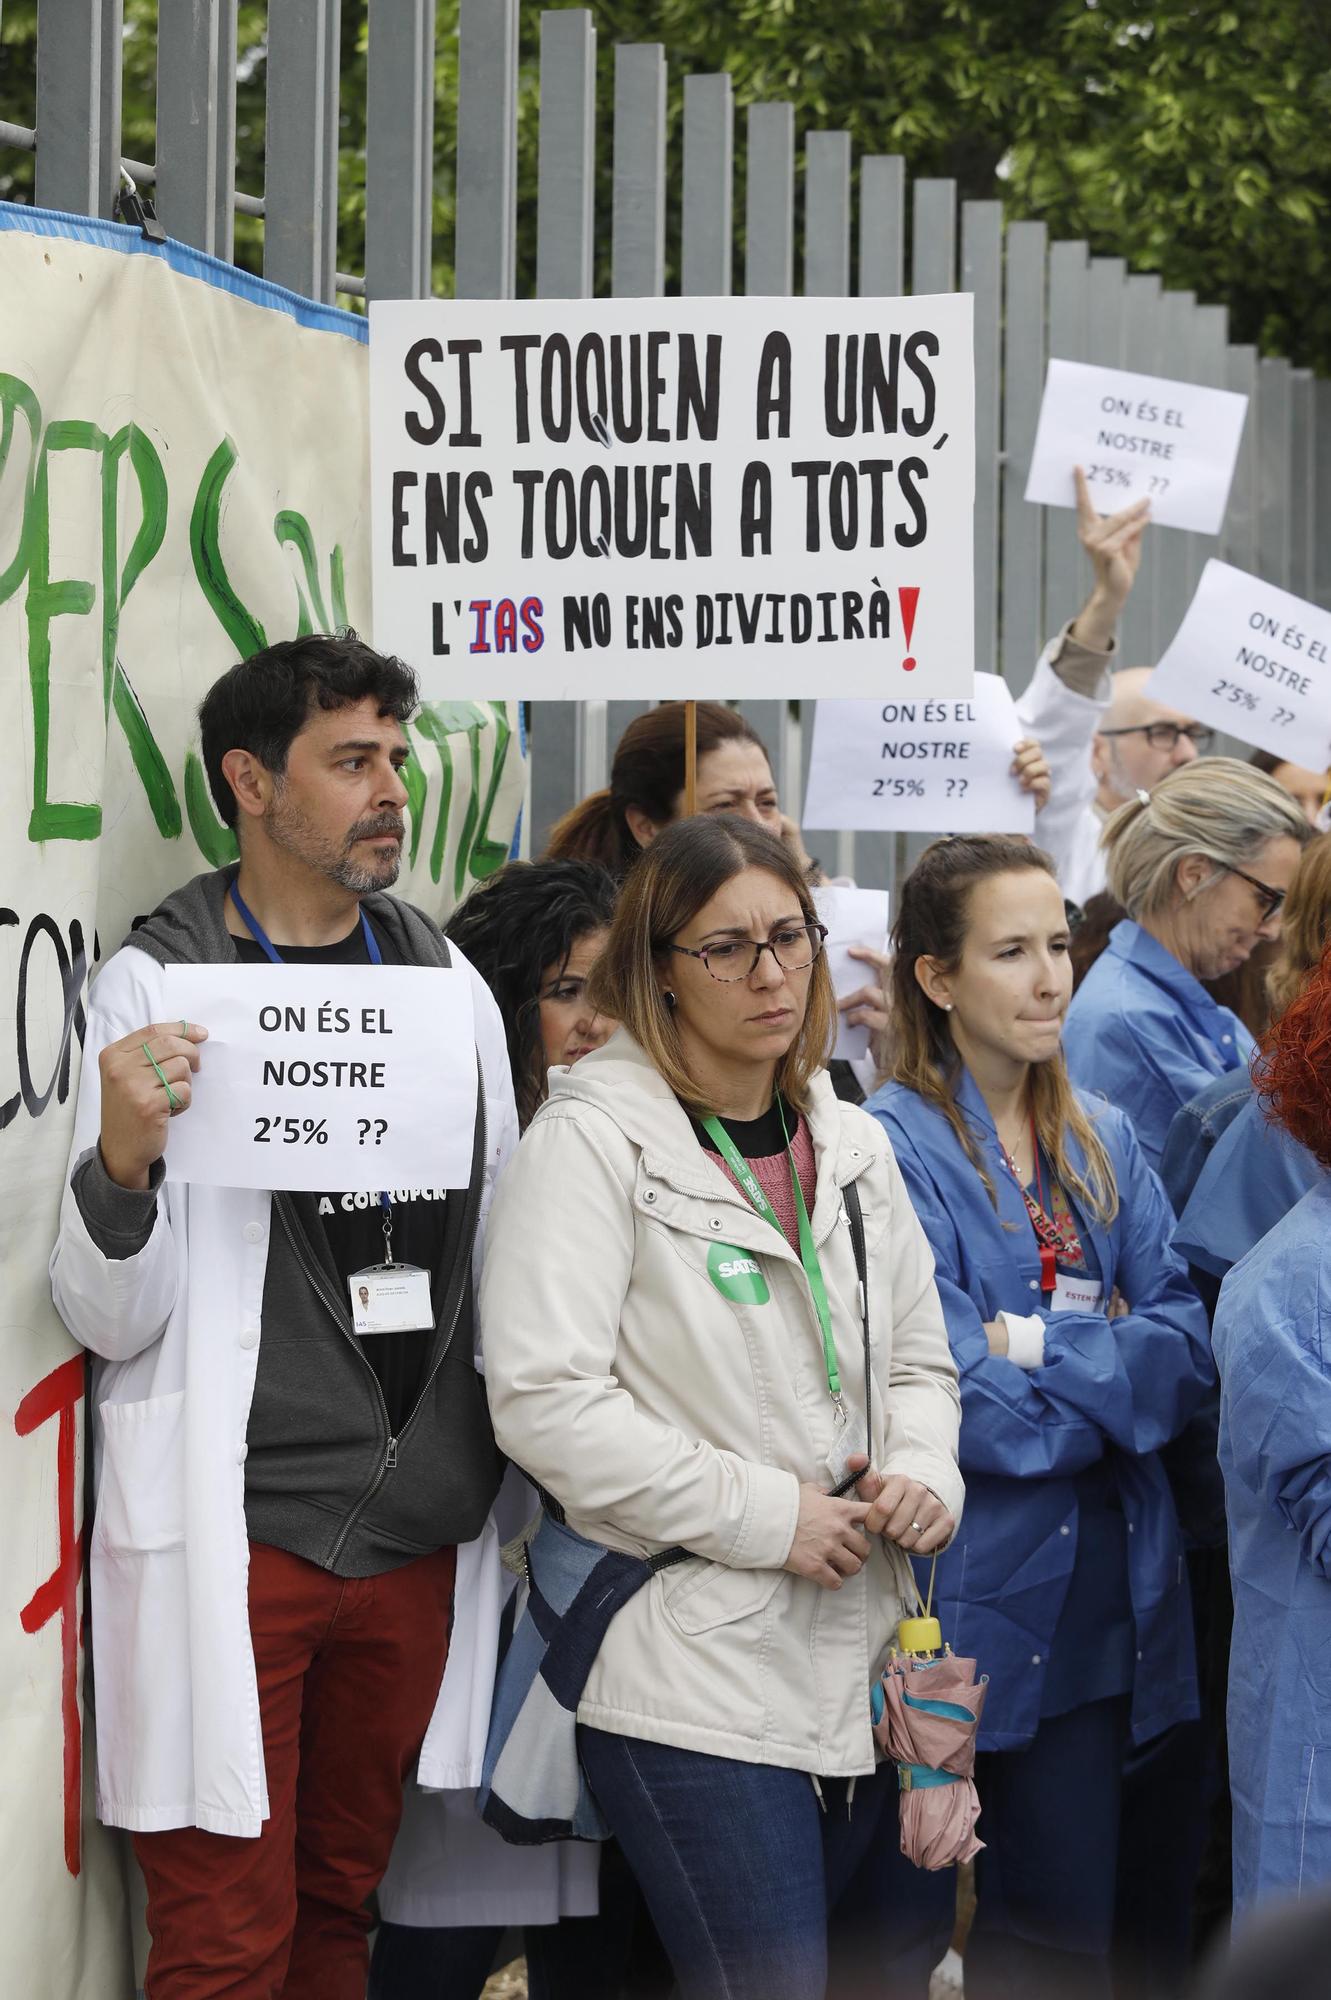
(280, 1501)
(1105, 740)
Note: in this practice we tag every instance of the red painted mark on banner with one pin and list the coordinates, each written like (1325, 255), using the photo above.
(58, 1395)
(910, 597)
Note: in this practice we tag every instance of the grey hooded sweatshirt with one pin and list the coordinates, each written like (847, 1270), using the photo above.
(326, 1477)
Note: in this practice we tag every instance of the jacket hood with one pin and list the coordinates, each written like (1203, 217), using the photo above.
(621, 1080)
(189, 926)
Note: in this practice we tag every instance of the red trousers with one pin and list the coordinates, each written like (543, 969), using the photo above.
(349, 1671)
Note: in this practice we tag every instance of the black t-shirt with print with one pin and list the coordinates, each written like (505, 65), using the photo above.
(352, 1224)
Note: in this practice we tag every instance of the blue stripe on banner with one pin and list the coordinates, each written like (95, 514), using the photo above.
(187, 262)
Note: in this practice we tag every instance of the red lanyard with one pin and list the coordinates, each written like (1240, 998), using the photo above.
(1048, 1236)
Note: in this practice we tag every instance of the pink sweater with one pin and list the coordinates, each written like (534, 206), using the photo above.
(773, 1177)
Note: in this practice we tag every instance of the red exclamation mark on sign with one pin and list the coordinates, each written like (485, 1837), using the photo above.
(910, 597)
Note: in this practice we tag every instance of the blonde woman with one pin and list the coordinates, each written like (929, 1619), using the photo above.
(1081, 1350)
(1202, 865)
(675, 1350)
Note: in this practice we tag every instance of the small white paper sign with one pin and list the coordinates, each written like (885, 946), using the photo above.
(353, 1077)
(853, 917)
(918, 766)
(1254, 661)
(1137, 437)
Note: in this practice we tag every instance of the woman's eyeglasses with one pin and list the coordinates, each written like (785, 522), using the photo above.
(1269, 899)
(737, 958)
(1165, 735)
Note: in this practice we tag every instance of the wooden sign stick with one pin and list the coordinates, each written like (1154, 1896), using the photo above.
(690, 759)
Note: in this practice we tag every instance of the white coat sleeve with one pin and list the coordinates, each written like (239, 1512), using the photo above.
(1064, 722)
(558, 1266)
(116, 1307)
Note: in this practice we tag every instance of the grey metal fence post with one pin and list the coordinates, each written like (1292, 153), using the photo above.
(108, 131)
(399, 151)
(1211, 330)
(769, 201)
(709, 172)
(981, 275)
(1066, 571)
(1273, 470)
(196, 123)
(1301, 484)
(1106, 302)
(485, 250)
(637, 227)
(882, 226)
(1322, 479)
(1175, 553)
(69, 106)
(1024, 348)
(566, 170)
(1238, 536)
(1141, 353)
(300, 190)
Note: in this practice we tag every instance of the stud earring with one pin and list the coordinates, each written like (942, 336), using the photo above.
(946, 1006)
(669, 999)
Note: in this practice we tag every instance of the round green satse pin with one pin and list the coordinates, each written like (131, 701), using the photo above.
(737, 1275)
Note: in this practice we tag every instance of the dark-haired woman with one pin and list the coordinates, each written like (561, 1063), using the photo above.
(533, 932)
(675, 1350)
(1081, 1349)
(1273, 1346)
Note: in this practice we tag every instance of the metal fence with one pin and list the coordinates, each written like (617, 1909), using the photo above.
(864, 225)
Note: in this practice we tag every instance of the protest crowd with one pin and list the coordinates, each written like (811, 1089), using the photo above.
(610, 1475)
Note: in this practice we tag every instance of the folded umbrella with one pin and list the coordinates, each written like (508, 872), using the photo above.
(926, 1715)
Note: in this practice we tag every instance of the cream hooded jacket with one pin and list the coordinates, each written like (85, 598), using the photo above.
(665, 1391)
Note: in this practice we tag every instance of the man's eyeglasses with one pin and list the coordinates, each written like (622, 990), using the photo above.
(1269, 899)
(737, 958)
(1165, 735)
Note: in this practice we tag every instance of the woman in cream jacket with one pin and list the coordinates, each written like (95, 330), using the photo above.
(657, 1360)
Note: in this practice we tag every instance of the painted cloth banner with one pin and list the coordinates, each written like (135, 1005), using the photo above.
(676, 497)
(183, 478)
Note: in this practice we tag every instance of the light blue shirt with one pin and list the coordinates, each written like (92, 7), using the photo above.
(1255, 1174)
(1273, 1345)
(1146, 1034)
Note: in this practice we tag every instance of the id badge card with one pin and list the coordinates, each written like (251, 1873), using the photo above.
(390, 1298)
(844, 1448)
(1077, 1295)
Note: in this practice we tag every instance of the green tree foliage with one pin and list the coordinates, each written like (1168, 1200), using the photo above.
(1185, 135)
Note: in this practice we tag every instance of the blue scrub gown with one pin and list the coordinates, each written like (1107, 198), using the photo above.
(1147, 1035)
(1273, 1346)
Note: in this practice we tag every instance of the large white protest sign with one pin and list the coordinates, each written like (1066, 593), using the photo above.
(347, 1076)
(667, 497)
(1254, 661)
(855, 918)
(183, 477)
(1137, 437)
(918, 766)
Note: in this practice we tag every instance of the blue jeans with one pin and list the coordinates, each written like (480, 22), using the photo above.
(739, 1864)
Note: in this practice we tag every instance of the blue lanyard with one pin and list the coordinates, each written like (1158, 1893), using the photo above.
(269, 949)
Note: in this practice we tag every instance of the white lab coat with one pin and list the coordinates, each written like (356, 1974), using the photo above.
(177, 1330)
(1065, 722)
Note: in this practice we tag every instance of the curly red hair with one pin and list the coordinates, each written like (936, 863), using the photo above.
(1294, 1076)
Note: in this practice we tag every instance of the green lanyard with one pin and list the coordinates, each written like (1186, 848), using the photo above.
(813, 1270)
